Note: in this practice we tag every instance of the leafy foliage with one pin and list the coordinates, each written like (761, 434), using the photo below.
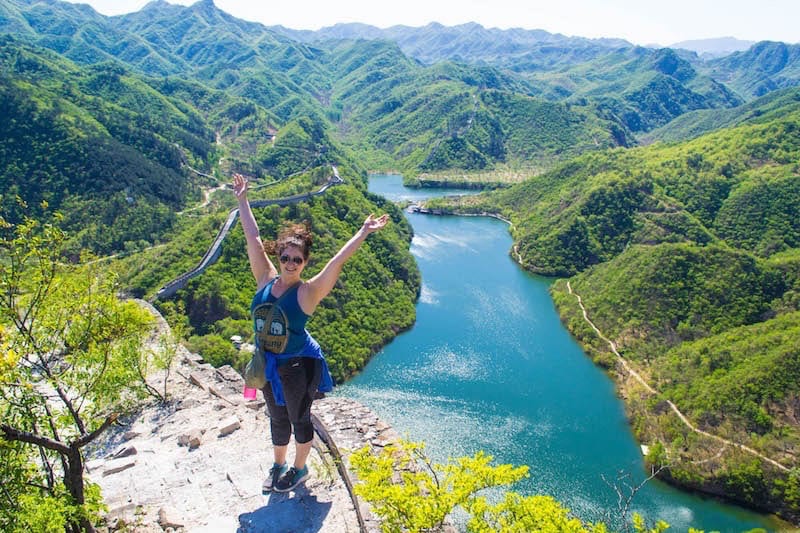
(410, 493)
(69, 348)
(95, 144)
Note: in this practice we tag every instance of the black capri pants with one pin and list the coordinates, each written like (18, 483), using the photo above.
(300, 377)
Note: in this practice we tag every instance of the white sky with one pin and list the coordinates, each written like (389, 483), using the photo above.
(662, 22)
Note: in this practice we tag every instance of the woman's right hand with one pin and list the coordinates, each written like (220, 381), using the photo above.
(239, 185)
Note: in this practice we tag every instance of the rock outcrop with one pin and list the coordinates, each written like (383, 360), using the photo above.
(196, 463)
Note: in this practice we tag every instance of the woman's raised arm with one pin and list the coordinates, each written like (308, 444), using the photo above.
(321, 285)
(262, 267)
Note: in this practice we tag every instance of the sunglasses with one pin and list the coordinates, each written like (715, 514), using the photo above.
(297, 260)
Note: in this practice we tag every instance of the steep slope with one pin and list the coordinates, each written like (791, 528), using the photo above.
(773, 105)
(643, 88)
(96, 143)
(764, 67)
(453, 116)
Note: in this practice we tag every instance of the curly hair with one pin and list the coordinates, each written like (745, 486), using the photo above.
(292, 234)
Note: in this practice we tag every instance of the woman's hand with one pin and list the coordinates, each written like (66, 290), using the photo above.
(372, 224)
(239, 185)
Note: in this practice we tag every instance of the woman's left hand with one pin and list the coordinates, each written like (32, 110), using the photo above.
(373, 224)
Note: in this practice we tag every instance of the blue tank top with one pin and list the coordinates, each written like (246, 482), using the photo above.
(281, 334)
(280, 329)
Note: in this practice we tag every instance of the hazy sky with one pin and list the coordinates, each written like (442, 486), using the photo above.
(639, 21)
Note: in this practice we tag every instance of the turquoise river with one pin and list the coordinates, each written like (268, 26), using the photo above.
(489, 366)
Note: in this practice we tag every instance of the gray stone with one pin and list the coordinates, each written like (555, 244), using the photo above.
(94, 464)
(129, 435)
(192, 439)
(125, 450)
(193, 358)
(167, 518)
(195, 378)
(255, 405)
(228, 426)
(227, 373)
(118, 465)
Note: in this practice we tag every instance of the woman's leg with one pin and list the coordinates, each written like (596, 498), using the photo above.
(300, 378)
(279, 424)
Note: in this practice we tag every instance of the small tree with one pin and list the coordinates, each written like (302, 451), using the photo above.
(68, 352)
(161, 357)
(410, 493)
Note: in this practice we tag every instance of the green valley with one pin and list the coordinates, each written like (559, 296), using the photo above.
(664, 187)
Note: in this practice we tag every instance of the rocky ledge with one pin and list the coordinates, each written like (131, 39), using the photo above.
(196, 462)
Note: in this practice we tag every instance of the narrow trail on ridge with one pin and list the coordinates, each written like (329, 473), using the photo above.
(672, 406)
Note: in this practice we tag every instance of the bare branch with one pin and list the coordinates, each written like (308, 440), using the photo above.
(86, 439)
(13, 434)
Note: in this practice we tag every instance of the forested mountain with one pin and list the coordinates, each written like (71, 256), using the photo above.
(764, 67)
(644, 88)
(641, 87)
(96, 143)
(695, 123)
(560, 67)
(515, 49)
(684, 248)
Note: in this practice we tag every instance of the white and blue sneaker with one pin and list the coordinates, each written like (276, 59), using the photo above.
(275, 474)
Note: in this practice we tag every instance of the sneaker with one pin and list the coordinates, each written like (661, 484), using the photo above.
(275, 474)
(291, 479)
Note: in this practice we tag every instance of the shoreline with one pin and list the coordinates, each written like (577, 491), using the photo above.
(704, 488)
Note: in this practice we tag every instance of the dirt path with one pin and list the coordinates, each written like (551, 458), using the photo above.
(207, 192)
(672, 406)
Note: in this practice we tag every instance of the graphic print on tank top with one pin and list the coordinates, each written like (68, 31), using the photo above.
(271, 327)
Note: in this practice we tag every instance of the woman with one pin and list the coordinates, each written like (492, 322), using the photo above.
(283, 303)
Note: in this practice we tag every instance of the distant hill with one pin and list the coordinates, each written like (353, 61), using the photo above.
(96, 143)
(642, 88)
(516, 49)
(714, 48)
(695, 123)
(414, 116)
(764, 67)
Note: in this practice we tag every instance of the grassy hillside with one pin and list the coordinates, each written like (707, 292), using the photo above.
(642, 88)
(764, 67)
(711, 189)
(450, 116)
